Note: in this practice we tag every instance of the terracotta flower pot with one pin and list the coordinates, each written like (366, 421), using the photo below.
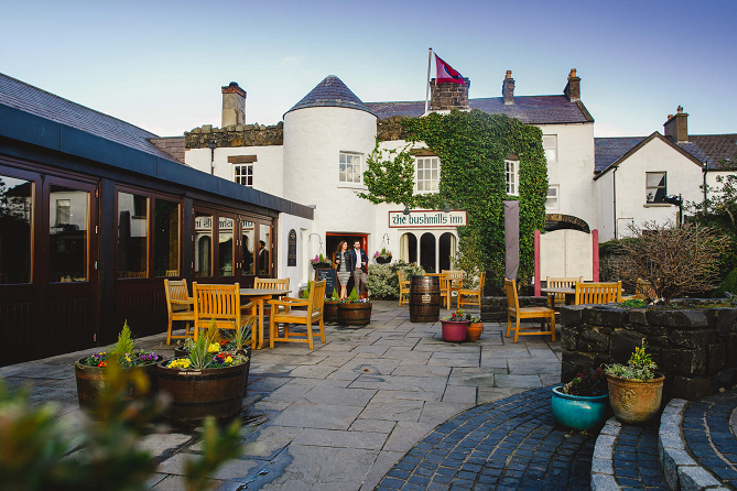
(635, 401)
(455, 331)
(474, 330)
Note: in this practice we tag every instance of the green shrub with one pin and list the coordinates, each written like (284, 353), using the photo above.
(728, 285)
(383, 280)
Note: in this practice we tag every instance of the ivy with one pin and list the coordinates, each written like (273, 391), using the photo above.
(472, 147)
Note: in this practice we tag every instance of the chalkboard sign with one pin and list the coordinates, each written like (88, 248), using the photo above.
(292, 249)
(327, 274)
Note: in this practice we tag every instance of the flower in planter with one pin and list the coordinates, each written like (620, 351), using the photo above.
(587, 383)
(321, 261)
(353, 298)
(124, 352)
(201, 355)
(456, 316)
(639, 367)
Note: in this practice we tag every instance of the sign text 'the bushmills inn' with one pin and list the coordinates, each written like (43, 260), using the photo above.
(427, 219)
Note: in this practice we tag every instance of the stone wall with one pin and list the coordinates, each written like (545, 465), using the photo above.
(494, 309)
(249, 135)
(391, 129)
(693, 344)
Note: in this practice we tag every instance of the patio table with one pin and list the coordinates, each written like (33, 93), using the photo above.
(570, 294)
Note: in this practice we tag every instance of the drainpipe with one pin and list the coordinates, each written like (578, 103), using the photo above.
(614, 200)
(704, 168)
(212, 146)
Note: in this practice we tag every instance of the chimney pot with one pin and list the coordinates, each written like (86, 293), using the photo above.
(234, 105)
(508, 89)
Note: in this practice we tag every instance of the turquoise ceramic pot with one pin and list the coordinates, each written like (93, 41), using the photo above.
(579, 412)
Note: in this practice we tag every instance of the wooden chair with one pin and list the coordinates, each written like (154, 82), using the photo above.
(598, 293)
(179, 306)
(477, 293)
(313, 315)
(560, 298)
(514, 310)
(445, 292)
(403, 288)
(456, 280)
(271, 284)
(221, 304)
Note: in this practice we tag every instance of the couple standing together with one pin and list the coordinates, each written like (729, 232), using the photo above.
(353, 262)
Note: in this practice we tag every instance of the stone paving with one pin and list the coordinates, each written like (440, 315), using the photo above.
(340, 417)
(636, 463)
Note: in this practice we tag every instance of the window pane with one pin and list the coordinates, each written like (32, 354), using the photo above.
(132, 235)
(16, 213)
(166, 238)
(68, 237)
(203, 245)
(248, 235)
(225, 250)
(264, 258)
(655, 179)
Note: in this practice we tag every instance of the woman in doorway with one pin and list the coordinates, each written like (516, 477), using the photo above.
(341, 268)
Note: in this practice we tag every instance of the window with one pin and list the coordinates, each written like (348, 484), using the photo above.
(655, 187)
(132, 235)
(551, 203)
(427, 174)
(225, 246)
(511, 175)
(68, 238)
(166, 238)
(349, 170)
(203, 232)
(63, 211)
(16, 227)
(243, 174)
(550, 146)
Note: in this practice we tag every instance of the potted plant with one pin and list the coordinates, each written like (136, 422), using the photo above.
(354, 311)
(475, 327)
(635, 389)
(321, 261)
(330, 312)
(210, 381)
(91, 371)
(582, 403)
(383, 256)
(455, 327)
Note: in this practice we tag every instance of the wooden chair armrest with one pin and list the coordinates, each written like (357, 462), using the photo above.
(249, 305)
(175, 301)
(292, 302)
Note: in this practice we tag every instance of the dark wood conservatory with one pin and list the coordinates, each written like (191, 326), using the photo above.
(93, 217)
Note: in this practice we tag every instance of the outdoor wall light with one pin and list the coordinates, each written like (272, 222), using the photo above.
(406, 210)
(446, 208)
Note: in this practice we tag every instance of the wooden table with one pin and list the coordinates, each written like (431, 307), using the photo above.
(258, 296)
(570, 294)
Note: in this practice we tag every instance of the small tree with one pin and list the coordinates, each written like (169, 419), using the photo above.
(674, 260)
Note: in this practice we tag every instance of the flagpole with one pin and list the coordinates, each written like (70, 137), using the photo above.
(427, 86)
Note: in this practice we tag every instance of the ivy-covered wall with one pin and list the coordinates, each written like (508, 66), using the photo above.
(472, 147)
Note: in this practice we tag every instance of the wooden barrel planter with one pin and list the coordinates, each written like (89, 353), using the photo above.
(424, 299)
(354, 314)
(330, 312)
(90, 380)
(196, 394)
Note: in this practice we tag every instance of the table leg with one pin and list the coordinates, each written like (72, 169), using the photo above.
(260, 344)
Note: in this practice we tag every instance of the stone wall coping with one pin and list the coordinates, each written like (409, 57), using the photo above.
(602, 463)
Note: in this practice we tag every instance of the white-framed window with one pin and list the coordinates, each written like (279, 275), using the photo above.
(243, 174)
(511, 175)
(655, 187)
(427, 174)
(550, 146)
(349, 169)
(551, 202)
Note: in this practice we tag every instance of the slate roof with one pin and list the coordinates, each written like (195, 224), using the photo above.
(707, 149)
(547, 109)
(331, 92)
(30, 99)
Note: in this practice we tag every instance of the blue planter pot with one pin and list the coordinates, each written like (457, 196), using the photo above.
(579, 412)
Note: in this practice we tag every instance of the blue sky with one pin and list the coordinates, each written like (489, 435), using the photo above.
(160, 64)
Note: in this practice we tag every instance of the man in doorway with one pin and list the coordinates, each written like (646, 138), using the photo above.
(358, 265)
(263, 258)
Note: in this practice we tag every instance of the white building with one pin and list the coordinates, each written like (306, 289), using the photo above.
(317, 156)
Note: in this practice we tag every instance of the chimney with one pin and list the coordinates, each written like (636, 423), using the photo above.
(508, 89)
(234, 105)
(573, 87)
(676, 127)
(449, 95)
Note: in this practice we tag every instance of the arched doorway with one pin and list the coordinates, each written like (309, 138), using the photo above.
(408, 248)
(447, 250)
(427, 252)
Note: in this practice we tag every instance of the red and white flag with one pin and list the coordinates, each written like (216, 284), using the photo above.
(445, 73)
